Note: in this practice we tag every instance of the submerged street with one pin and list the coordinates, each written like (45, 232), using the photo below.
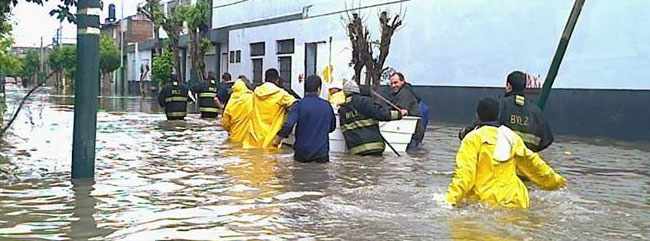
(157, 179)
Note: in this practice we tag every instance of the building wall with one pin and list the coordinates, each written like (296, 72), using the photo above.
(475, 43)
(139, 31)
(615, 114)
(456, 51)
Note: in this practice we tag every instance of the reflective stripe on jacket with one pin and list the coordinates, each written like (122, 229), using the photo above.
(360, 118)
(173, 98)
(207, 91)
(526, 119)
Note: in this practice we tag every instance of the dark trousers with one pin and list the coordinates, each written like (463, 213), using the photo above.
(209, 115)
(317, 159)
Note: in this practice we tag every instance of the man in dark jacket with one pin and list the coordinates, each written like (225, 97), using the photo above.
(207, 93)
(403, 97)
(521, 115)
(360, 118)
(314, 120)
(174, 97)
(224, 89)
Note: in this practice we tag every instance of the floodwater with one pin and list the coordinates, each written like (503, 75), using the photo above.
(159, 180)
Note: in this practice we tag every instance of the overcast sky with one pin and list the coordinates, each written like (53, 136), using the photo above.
(31, 21)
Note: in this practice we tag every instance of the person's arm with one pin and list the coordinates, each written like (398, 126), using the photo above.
(465, 170)
(287, 100)
(333, 120)
(161, 96)
(408, 101)
(226, 120)
(376, 111)
(545, 133)
(290, 122)
(537, 171)
(218, 103)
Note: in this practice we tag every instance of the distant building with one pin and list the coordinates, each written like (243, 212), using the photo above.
(128, 32)
(21, 52)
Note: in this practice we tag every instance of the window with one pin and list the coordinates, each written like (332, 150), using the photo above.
(285, 46)
(257, 71)
(257, 49)
(284, 64)
(235, 57)
(310, 58)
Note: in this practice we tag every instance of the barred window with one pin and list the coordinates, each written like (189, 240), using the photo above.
(285, 46)
(257, 49)
(284, 64)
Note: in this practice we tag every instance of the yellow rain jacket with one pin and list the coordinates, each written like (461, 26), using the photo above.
(270, 105)
(337, 98)
(486, 169)
(236, 116)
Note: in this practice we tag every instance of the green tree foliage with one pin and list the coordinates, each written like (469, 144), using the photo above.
(9, 64)
(109, 55)
(62, 60)
(172, 23)
(62, 11)
(32, 63)
(162, 68)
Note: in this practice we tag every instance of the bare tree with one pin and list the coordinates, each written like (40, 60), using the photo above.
(197, 18)
(364, 48)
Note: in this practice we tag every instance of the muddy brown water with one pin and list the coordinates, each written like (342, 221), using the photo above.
(158, 180)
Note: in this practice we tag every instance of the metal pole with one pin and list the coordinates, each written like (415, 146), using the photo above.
(86, 80)
(122, 67)
(559, 53)
(41, 69)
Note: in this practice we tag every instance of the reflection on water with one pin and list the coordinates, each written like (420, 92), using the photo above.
(159, 180)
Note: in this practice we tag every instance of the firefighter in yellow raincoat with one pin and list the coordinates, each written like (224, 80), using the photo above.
(270, 106)
(488, 160)
(236, 116)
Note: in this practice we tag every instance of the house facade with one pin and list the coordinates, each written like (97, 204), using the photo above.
(456, 51)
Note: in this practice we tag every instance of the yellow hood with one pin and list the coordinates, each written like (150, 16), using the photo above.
(270, 104)
(236, 116)
(239, 89)
(267, 90)
(486, 169)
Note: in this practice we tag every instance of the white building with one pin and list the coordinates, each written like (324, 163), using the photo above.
(455, 51)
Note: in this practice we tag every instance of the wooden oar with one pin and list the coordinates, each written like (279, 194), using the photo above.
(398, 109)
(385, 100)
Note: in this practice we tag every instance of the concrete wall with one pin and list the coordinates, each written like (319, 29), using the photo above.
(620, 114)
(472, 43)
(456, 51)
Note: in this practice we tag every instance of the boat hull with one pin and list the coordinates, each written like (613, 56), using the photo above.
(398, 133)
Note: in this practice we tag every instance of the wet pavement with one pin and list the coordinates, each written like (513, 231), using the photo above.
(158, 179)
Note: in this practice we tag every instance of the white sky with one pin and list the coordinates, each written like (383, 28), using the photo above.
(31, 21)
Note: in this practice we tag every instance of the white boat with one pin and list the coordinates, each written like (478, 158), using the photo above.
(398, 133)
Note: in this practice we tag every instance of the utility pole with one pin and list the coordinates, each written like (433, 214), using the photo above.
(86, 82)
(559, 53)
(123, 28)
(41, 69)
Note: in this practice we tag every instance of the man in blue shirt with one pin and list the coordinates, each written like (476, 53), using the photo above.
(315, 119)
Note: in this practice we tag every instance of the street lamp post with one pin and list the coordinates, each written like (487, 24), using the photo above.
(86, 83)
